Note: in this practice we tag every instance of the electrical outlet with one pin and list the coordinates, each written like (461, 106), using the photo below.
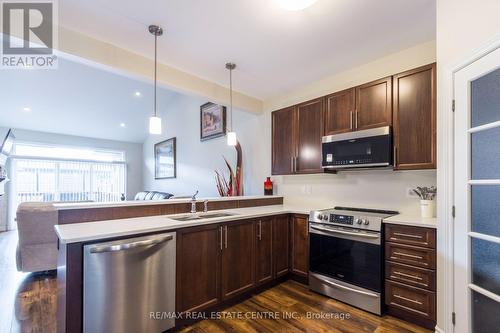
(410, 193)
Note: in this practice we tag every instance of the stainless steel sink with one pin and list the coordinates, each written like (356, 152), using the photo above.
(199, 216)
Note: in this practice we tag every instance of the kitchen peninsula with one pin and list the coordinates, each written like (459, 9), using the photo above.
(218, 260)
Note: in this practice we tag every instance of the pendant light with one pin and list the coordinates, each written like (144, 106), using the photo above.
(155, 121)
(231, 134)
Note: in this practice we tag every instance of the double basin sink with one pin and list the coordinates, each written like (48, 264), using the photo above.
(199, 216)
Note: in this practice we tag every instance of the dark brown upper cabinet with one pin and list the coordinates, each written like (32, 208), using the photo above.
(339, 112)
(296, 138)
(283, 138)
(309, 133)
(373, 104)
(415, 119)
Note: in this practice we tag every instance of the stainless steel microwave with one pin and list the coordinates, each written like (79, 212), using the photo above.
(369, 148)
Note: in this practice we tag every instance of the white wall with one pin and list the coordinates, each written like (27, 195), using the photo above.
(133, 152)
(463, 28)
(196, 160)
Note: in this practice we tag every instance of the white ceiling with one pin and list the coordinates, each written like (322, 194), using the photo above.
(275, 50)
(78, 100)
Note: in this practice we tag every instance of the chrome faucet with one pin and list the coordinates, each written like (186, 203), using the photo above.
(193, 203)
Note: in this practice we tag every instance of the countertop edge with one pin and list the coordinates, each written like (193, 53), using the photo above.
(90, 205)
(59, 228)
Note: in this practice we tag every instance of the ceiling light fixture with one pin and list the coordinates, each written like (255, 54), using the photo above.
(296, 4)
(138, 94)
(122, 125)
(26, 109)
(155, 121)
(231, 134)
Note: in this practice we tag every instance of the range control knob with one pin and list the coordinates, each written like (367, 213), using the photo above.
(320, 216)
(358, 221)
(366, 222)
(325, 217)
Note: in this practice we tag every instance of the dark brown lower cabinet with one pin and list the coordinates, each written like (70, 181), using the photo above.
(238, 258)
(198, 268)
(300, 245)
(281, 245)
(264, 250)
(410, 275)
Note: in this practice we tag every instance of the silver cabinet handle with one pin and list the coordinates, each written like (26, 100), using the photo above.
(225, 227)
(291, 164)
(406, 235)
(350, 119)
(395, 156)
(356, 115)
(408, 255)
(259, 235)
(408, 275)
(408, 299)
(220, 230)
(129, 246)
(339, 286)
(345, 232)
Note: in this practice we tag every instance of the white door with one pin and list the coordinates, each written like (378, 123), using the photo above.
(477, 196)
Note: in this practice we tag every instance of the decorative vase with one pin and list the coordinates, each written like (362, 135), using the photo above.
(268, 186)
(427, 208)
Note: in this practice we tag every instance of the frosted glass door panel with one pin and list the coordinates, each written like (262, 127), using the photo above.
(485, 314)
(485, 146)
(485, 265)
(485, 201)
(486, 99)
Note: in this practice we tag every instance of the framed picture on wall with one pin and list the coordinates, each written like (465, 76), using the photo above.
(165, 159)
(212, 121)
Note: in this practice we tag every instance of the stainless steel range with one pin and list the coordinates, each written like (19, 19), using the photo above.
(345, 255)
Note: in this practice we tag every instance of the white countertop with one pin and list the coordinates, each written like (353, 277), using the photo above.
(89, 231)
(415, 221)
(84, 205)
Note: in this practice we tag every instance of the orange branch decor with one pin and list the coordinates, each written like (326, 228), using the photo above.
(233, 186)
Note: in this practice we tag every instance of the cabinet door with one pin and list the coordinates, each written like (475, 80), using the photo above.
(309, 133)
(339, 112)
(198, 268)
(374, 104)
(238, 258)
(283, 144)
(300, 245)
(281, 245)
(264, 250)
(415, 119)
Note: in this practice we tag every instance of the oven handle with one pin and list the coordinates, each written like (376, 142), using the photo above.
(339, 286)
(345, 232)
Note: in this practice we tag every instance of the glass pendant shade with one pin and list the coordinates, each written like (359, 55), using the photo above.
(154, 125)
(231, 139)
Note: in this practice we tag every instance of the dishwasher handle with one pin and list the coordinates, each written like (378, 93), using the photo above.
(129, 246)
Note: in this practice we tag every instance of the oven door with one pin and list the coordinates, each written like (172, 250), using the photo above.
(363, 149)
(347, 255)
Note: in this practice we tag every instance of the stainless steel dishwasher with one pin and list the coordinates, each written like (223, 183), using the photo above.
(129, 285)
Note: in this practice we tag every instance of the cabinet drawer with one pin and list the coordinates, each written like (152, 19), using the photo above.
(417, 236)
(411, 255)
(409, 275)
(414, 300)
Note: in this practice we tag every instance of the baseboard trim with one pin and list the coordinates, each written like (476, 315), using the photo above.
(438, 330)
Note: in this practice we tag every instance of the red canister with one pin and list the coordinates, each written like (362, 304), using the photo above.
(268, 186)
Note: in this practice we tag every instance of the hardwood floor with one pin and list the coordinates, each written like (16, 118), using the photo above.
(301, 305)
(28, 304)
(27, 301)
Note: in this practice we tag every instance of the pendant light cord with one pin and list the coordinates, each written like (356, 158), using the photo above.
(231, 95)
(156, 48)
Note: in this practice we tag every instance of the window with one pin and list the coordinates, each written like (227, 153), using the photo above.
(52, 173)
